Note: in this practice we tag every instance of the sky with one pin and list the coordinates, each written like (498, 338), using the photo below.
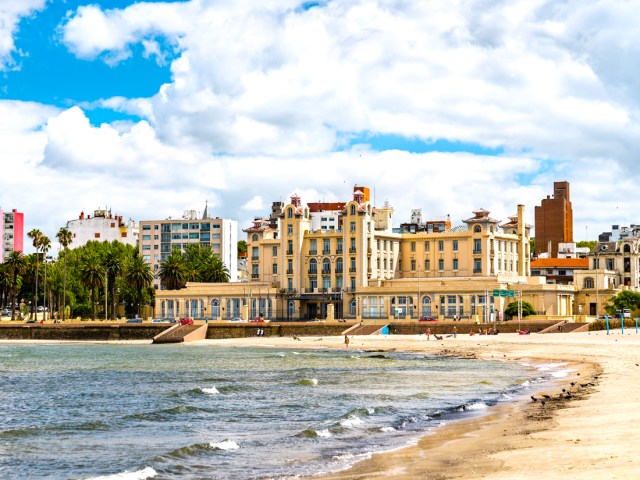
(154, 108)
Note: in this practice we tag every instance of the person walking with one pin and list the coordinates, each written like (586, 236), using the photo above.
(428, 333)
(455, 332)
(346, 340)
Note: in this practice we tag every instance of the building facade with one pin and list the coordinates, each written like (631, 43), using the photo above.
(12, 228)
(159, 237)
(102, 226)
(365, 270)
(554, 221)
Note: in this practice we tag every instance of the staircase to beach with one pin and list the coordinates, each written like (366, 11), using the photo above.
(566, 327)
(363, 330)
(182, 333)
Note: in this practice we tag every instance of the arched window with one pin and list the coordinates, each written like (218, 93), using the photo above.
(289, 212)
(215, 309)
(477, 229)
(255, 237)
(352, 307)
(426, 306)
(313, 266)
(326, 266)
(627, 248)
(339, 265)
(352, 210)
(292, 308)
(588, 282)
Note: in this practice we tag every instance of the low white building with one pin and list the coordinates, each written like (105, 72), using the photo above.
(103, 225)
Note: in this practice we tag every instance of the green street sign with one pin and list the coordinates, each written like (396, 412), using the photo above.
(503, 293)
(496, 293)
(511, 293)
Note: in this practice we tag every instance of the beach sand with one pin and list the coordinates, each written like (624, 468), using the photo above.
(590, 436)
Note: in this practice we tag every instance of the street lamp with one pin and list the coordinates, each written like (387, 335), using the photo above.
(419, 303)
(597, 265)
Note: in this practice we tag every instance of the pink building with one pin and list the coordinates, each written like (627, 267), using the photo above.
(12, 229)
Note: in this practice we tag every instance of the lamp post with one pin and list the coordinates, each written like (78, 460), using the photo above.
(597, 265)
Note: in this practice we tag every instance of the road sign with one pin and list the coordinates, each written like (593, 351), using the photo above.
(496, 293)
(504, 293)
(511, 293)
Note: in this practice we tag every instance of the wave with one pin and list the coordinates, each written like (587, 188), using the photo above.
(312, 382)
(143, 474)
(313, 433)
(351, 421)
(472, 406)
(225, 445)
(161, 414)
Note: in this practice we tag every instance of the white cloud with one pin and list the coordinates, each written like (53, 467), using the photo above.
(11, 12)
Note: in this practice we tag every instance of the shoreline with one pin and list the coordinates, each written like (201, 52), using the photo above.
(589, 436)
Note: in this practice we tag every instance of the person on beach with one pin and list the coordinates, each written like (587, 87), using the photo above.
(428, 333)
(346, 340)
(455, 332)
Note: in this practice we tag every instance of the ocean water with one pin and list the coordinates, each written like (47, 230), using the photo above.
(202, 412)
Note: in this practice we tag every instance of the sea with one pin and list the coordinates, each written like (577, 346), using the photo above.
(128, 412)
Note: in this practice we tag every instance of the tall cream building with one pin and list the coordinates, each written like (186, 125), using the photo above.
(345, 260)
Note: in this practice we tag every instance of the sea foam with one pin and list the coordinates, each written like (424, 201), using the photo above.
(143, 474)
(225, 445)
(210, 391)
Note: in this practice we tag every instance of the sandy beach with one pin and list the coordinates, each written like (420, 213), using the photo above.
(591, 435)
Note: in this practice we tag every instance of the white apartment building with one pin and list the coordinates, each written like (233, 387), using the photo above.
(103, 225)
(160, 237)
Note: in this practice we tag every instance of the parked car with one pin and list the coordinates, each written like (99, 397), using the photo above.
(427, 318)
(237, 320)
(134, 320)
(161, 320)
(42, 309)
(258, 320)
(186, 321)
(6, 312)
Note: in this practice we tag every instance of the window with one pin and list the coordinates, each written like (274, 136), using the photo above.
(477, 229)
(455, 264)
(339, 265)
(146, 227)
(413, 246)
(562, 272)
(326, 266)
(255, 237)
(290, 229)
(97, 235)
(440, 246)
(352, 210)
(427, 246)
(289, 267)
(455, 245)
(290, 247)
(274, 269)
(413, 265)
(289, 212)
(326, 246)
(477, 246)
(549, 271)
(254, 253)
(146, 237)
(339, 249)
(427, 264)
(313, 283)
(352, 227)
(146, 247)
(588, 282)
(274, 251)
(313, 266)
(441, 264)
(353, 284)
(477, 266)
(313, 247)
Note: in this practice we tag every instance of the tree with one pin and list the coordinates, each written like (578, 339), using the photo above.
(512, 309)
(214, 270)
(15, 265)
(92, 277)
(65, 237)
(242, 248)
(35, 235)
(139, 276)
(113, 259)
(590, 244)
(624, 299)
(45, 246)
(173, 272)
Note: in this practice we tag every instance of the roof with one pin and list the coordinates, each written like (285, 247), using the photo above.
(560, 263)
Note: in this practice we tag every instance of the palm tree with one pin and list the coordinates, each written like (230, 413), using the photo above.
(113, 264)
(92, 276)
(35, 235)
(45, 246)
(173, 272)
(15, 264)
(214, 270)
(139, 276)
(65, 237)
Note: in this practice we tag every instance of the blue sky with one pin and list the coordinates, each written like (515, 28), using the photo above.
(447, 107)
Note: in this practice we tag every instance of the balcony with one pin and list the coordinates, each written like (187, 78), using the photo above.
(477, 270)
(289, 252)
(255, 276)
(352, 250)
(313, 252)
(339, 269)
(339, 251)
(313, 271)
(477, 251)
(352, 269)
(326, 251)
(255, 258)
(326, 271)
(290, 271)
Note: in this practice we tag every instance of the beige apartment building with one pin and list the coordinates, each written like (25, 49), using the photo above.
(356, 265)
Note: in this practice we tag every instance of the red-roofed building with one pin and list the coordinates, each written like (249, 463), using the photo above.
(558, 270)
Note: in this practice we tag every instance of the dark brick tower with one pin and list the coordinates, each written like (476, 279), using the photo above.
(554, 220)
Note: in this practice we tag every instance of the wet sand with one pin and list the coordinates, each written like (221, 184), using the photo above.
(591, 435)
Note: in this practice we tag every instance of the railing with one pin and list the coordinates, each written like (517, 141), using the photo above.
(477, 270)
(339, 251)
(352, 250)
(313, 252)
(326, 270)
(339, 269)
(290, 272)
(289, 252)
(313, 271)
(352, 269)
(477, 251)
(255, 275)
(326, 251)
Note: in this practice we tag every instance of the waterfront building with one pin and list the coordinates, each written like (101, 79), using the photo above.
(12, 230)
(160, 237)
(558, 270)
(364, 269)
(554, 221)
(102, 226)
